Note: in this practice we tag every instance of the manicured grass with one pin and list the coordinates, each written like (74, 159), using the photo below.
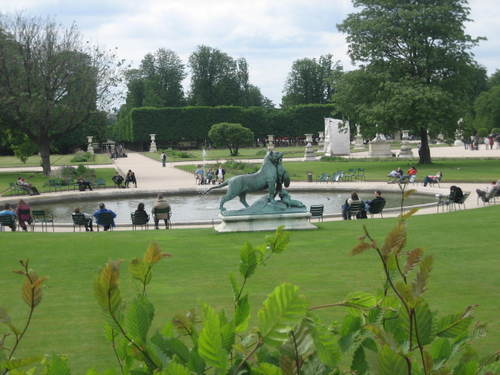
(34, 161)
(454, 170)
(464, 245)
(219, 154)
(38, 180)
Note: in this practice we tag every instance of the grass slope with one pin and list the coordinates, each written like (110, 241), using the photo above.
(464, 244)
(454, 170)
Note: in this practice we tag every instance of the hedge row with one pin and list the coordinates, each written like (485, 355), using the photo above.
(193, 123)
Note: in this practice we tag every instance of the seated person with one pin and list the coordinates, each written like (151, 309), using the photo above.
(433, 179)
(9, 211)
(396, 174)
(88, 219)
(411, 174)
(199, 175)
(487, 193)
(102, 209)
(161, 204)
(23, 184)
(141, 214)
(375, 202)
(210, 176)
(23, 212)
(118, 180)
(353, 202)
(83, 184)
(130, 178)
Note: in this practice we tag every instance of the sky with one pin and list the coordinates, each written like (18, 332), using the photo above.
(271, 35)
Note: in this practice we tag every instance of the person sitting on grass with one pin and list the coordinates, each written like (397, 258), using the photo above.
(9, 211)
(487, 193)
(88, 219)
(98, 215)
(433, 179)
(23, 212)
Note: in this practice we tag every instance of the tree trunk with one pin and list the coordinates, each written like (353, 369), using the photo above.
(424, 152)
(44, 148)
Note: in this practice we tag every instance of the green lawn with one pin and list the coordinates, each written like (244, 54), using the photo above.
(464, 244)
(454, 170)
(34, 161)
(38, 180)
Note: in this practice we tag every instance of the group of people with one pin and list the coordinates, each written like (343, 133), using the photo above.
(210, 177)
(129, 178)
(474, 141)
(398, 175)
(21, 213)
(161, 211)
(362, 208)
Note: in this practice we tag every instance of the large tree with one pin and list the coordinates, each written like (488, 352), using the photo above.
(311, 81)
(50, 80)
(219, 79)
(420, 54)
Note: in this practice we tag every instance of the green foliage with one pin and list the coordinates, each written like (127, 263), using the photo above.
(193, 123)
(232, 136)
(482, 132)
(487, 109)
(82, 157)
(179, 154)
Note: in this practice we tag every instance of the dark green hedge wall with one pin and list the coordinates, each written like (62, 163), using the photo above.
(193, 123)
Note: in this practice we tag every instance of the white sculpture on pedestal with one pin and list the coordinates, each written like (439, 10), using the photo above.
(270, 142)
(358, 139)
(90, 149)
(379, 148)
(309, 152)
(337, 137)
(459, 133)
(152, 146)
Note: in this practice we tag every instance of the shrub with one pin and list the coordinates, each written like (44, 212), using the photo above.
(232, 136)
(482, 132)
(179, 154)
(82, 157)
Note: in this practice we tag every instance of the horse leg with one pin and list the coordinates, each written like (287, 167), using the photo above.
(243, 199)
(272, 191)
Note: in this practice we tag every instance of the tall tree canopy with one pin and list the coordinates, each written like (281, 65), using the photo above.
(218, 79)
(50, 80)
(418, 55)
(311, 81)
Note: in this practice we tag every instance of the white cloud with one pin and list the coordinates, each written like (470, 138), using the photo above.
(270, 35)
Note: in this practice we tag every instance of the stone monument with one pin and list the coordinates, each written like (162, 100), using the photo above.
(152, 146)
(405, 150)
(309, 152)
(321, 142)
(270, 142)
(379, 147)
(90, 149)
(358, 139)
(337, 137)
(459, 133)
(267, 213)
(405, 135)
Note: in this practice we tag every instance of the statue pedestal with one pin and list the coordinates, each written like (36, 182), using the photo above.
(266, 222)
(380, 149)
(405, 152)
(458, 142)
(358, 143)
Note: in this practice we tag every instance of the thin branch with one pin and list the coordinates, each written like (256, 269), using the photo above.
(258, 344)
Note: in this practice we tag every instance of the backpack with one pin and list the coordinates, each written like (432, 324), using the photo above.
(456, 194)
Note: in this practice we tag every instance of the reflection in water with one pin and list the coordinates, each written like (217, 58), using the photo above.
(186, 208)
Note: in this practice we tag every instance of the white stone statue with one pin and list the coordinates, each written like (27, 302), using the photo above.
(90, 149)
(337, 137)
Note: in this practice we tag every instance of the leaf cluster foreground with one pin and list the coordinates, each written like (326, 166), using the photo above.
(391, 332)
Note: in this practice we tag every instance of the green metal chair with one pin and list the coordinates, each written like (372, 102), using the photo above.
(140, 219)
(43, 218)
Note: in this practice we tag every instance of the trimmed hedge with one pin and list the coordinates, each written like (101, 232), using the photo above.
(193, 123)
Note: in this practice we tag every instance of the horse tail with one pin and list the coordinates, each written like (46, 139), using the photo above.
(225, 183)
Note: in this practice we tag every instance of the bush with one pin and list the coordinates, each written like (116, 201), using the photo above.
(179, 154)
(495, 131)
(82, 157)
(230, 135)
(482, 132)
(240, 167)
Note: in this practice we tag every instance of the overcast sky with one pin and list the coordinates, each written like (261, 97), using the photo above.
(269, 34)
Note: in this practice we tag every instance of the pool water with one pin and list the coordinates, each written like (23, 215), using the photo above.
(188, 208)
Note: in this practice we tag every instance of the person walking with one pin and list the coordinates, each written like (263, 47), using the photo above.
(163, 159)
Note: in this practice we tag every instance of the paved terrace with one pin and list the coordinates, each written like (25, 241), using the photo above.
(153, 178)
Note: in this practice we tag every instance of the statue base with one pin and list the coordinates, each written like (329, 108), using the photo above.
(265, 222)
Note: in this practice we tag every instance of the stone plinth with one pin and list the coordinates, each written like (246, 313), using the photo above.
(309, 152)
(405, 151)
(380, 149)
(267, 222)
(152, 146)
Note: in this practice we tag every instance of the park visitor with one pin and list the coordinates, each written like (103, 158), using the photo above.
(141, 214)
(161, 204)
(9, 211)
(352, 202)
(163, 159)
(375, 202)
(23, 213)
(88, 219)
(98, 215)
